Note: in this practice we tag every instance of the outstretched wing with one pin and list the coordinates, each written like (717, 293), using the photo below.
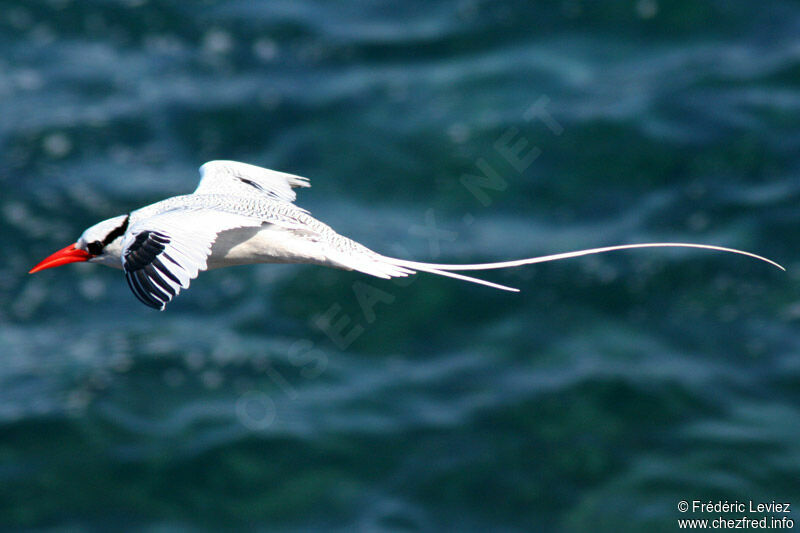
(230, 177)
(162, 254)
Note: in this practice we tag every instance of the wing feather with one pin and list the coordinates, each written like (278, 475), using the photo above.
(231, 177)
(162, 254)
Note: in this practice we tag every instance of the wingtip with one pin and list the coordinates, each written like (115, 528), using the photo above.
(299, 181)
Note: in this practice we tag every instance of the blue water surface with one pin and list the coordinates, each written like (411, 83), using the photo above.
(297, 398)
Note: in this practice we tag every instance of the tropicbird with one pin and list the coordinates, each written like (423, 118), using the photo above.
(243, 214)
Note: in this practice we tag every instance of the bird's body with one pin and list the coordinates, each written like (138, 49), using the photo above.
(242, 214)
(276, 232)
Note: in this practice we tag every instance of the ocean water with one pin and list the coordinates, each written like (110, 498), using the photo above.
(296, 398)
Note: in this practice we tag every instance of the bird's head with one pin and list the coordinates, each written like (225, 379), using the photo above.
(101, 243)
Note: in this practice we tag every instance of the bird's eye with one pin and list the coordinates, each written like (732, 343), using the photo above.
(95, 248)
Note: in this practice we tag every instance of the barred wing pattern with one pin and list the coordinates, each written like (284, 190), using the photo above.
(162, 254)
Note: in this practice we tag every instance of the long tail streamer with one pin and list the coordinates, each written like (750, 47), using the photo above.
(447, 270)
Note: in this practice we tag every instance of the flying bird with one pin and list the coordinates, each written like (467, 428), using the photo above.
(243, 214)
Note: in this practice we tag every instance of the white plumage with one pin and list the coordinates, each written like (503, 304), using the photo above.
(241, 214)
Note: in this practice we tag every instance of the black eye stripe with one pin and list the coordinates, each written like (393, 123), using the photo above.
(116, 233)
(96, 247)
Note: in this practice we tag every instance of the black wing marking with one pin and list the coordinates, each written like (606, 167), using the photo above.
(153, 281)
(233, 177)
(164, 253)
(251, 183)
